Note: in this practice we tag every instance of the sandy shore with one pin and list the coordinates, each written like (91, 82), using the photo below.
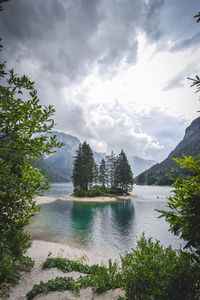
(44, 199)
(39, 252)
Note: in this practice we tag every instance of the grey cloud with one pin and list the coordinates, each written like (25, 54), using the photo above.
(186, 43)
(70, 37)
(150, 135)
(152, 19)
(166, 129)
(72, 119)
(180, 78)
(177, 24)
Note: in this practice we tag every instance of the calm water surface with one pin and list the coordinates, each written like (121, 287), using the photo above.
(108, 227)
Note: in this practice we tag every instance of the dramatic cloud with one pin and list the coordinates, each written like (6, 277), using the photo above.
(85, 54)
(114, 126)
(71, 37)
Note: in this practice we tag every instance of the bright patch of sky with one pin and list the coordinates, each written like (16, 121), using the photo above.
(116, 71)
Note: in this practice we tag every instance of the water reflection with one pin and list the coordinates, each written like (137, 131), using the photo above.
(109, 227)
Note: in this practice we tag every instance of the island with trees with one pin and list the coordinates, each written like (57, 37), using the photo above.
(147, 271)
(113, 177)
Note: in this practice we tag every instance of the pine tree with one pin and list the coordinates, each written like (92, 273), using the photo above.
(77, 170)
(111, 166)
(103, 174)
(96, 174)
(123, 178)
(83, 168)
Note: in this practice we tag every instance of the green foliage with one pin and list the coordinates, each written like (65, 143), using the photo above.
(100, 278)
(82, 176)
(148, 272)
(106, 278)
(103, 174)
(67, 265)
(57, 284)
(111, 162)
(9, 271)
(123, 177)
(94, 192)
(184, 206)
(22, 124)
(153, 272)
(114, 173)
(97, 192)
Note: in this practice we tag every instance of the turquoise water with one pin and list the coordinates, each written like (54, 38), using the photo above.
(108, 227)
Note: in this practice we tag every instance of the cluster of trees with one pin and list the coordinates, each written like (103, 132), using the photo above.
(113, 172)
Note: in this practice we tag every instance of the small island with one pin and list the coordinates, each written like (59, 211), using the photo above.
(112, 178)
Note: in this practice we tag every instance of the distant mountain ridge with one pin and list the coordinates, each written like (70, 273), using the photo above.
(140, 164)
(62, 159)
(52, 175)
(189, 145)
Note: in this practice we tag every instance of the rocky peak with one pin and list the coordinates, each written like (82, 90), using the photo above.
(193, 130)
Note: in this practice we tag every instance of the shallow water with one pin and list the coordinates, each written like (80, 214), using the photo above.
(106, 227)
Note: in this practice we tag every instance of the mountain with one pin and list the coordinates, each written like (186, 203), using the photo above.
(62, 159)
(52, 175)
(139, 165)
(190, 145)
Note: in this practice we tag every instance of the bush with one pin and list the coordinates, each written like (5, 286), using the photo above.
(100, 278)
(114, 191)
(183, 215)
(94, 192)
(153, 272)
(106, 278)
(79, 193)
(67, 265)
(9, 271)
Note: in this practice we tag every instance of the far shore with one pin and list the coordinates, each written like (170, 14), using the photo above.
(46, 199)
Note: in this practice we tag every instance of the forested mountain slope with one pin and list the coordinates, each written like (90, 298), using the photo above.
(190, 145)
(52, 175)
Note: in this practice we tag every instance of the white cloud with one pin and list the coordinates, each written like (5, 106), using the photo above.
(110, 67)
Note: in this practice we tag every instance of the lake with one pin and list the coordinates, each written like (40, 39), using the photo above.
(109, 227)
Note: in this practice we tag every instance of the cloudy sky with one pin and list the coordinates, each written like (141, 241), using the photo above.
(115, 70)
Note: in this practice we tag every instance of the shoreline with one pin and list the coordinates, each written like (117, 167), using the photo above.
(47, 199)
(39, 252)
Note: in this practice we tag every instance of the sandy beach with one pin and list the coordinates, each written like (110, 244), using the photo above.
(45, 199)
(39, 252)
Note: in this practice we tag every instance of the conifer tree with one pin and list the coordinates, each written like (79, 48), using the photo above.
(111, 166)
(123, 178)
(77, 171)
(83, 168)
(103, 174)
(96, 174)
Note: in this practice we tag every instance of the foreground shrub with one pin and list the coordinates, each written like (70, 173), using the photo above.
(9, 271)
(67, 265)
(100, 278)
(106, 278)
(153, 272)
(57, 284)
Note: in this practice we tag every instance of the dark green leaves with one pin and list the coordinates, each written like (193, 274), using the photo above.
(184, 206)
